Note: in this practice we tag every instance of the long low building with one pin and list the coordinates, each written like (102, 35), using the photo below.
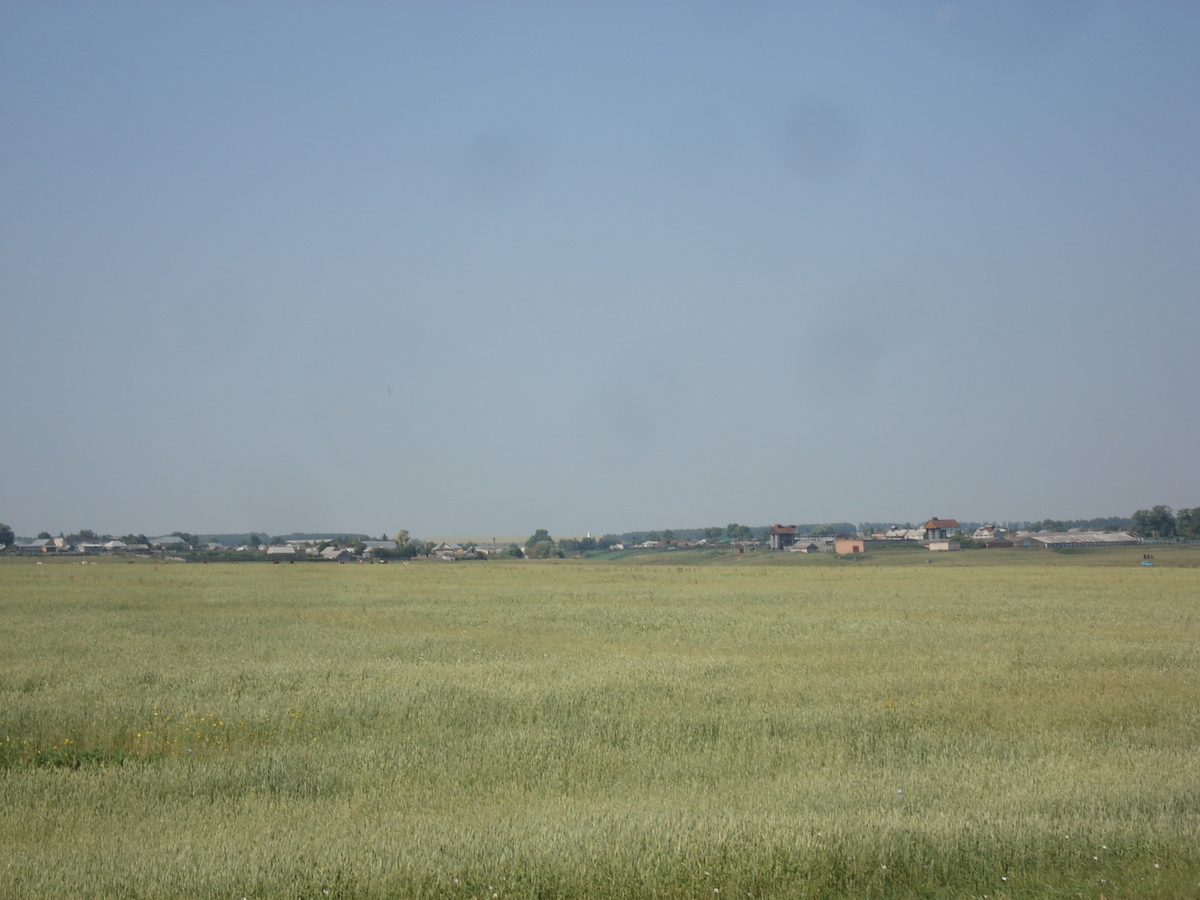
(1064, 540)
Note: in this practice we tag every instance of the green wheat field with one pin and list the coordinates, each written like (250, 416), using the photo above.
(593, 730)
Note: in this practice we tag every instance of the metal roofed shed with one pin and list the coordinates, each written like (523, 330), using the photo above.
(1072, 540)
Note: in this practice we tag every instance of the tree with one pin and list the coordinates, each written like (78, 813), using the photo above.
(1158, 522)
(6, 535)
(514, 551)
(1188, 523)
(401, 537)
(654, 536)
(668, 536)
(1048, 525)
(538, 536)
(542, 550)
(712, 534)
(966, 543)
(44, 536)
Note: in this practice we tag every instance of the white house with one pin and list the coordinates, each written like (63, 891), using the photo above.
(988, 533)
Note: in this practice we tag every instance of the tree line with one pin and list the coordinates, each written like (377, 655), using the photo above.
(1161, 522)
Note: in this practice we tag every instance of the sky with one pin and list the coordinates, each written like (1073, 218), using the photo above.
(481, 268)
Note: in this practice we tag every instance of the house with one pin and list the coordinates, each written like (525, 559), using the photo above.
(336, 554)
(900, 533)
(448, 548)
(115, 545)
(850, 546)
(167, 540)
(988, 532)
(281, 550)
(940, 529)
(780, 537)
(370, 547)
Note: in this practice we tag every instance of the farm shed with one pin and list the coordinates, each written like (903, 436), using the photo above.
(1070, 540)
(805, 545)
(850, 546)
(41, 545)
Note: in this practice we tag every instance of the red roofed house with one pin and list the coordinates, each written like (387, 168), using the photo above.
(939, 529)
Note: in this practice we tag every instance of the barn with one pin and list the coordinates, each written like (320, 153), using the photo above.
(940, 529)
(781, 537)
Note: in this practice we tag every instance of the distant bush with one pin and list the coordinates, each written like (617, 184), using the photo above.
(967, 543)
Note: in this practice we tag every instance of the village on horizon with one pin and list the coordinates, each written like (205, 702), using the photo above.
(936, 535)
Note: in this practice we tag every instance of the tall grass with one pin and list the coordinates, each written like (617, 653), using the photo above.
(542, 730)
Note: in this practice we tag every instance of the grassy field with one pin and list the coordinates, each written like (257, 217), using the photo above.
(1000, 726)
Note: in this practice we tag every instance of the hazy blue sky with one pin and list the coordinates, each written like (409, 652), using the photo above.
(475, 268)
